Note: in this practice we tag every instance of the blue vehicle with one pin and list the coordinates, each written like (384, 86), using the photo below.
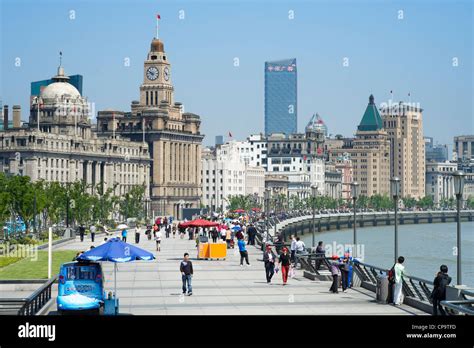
(80, 287)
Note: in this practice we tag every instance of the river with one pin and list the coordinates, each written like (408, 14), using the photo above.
(424, 246)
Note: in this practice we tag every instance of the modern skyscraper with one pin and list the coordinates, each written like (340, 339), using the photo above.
(371, 153)
(404, 125)
(281, 97)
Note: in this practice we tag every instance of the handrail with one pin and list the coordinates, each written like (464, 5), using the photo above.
(38, 298)
(457, 307)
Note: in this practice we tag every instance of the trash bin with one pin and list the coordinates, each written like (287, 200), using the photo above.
(382, 289)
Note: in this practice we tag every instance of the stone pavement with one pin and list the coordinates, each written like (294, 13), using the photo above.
(222, 287)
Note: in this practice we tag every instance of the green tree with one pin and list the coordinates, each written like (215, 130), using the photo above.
(80, 202)
(5, 201)
(131, 205)
(470, 202)
(409, 202)
(425, 202)
(27, 198)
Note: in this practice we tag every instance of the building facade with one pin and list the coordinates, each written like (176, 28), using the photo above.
(226, 174)
(281, 97)
(343, 164)
(439, 181)
(370, 153)
(172, 135)
(435, 152)
(61, 147)
(404, 126)
(464, 147)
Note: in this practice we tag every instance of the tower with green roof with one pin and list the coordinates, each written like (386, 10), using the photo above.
(370, 153)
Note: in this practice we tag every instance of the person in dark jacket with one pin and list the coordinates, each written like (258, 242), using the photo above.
(336, 273)
(251, 232)
(186, 269)
(345, 273)
(439, 290)
(320, 253)
(214, 235)
(269, 258)
(82, 231)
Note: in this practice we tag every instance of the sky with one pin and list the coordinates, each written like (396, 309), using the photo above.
(345, 51)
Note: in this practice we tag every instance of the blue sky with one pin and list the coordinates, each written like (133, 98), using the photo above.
(414, 54)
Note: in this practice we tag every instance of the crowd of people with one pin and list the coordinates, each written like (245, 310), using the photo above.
(241, 230)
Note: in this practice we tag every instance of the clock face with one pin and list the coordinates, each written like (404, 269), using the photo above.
(166, 73)
(152, 73)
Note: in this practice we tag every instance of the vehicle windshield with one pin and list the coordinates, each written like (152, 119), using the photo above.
(81, 272)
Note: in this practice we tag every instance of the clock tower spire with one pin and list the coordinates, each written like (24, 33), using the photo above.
(156, 86)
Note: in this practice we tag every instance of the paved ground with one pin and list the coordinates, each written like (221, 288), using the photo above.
(223, 287)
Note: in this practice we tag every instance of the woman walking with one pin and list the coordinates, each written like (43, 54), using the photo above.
(158, 236)
(269, 258)
(285, 263)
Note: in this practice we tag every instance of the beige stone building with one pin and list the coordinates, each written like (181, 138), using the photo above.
(370, 153)
(173, 136)
(404, 126)
(62, 147)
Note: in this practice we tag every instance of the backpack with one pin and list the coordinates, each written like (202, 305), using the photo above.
(391, 275)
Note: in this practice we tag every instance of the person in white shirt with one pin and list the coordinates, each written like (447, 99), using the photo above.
(137, 234)
(158, 236)
(300, 247)
(293, 248)
(93, 230)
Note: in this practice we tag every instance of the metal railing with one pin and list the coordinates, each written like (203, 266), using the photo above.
(413, 287)
(30, 305)
(463, 306)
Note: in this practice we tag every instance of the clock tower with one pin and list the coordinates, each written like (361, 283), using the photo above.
(156, 85)
(173, 137)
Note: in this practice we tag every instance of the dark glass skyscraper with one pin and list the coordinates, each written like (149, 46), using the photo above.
(280, 97)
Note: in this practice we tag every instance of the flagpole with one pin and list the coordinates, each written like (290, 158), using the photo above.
(157, 19)
(38, 120)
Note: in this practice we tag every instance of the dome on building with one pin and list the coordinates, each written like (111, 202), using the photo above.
(316, 124)
(157, 46)
(58, 89)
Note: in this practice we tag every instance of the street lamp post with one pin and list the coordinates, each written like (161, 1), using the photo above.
(355, 195)
(395, 192)
(458, 179)
(314, 193)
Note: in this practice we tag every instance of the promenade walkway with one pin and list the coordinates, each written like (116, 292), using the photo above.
(224, 288)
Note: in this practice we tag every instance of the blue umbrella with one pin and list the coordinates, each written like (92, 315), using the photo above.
(237, 228)
(116, 250)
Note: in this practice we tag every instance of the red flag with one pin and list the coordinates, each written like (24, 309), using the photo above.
(304, 158)
(158, 16)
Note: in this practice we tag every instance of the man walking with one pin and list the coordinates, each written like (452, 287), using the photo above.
(269, 258)
(243, 253)
(137, 234)
(93, 229)
(82, 231)
(186, 269)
